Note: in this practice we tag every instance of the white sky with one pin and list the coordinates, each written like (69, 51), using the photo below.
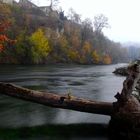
(123, 15)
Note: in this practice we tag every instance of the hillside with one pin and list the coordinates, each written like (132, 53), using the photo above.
(51, 37)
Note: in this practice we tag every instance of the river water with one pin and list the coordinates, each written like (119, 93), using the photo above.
(86, 81)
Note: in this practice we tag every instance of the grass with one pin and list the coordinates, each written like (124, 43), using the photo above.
(54, 132)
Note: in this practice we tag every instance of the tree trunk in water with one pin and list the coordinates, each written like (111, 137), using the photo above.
(59, 101)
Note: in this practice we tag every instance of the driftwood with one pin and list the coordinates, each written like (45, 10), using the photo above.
(125, 113)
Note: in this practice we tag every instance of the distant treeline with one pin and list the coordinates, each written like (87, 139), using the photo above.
(55, 38)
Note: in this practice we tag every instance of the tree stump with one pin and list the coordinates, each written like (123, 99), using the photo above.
(125, 120)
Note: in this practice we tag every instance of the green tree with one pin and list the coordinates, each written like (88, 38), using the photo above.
(22, 48)
(40, 46)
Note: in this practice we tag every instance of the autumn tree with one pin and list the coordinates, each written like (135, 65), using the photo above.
(72, 30)
(86, 52)
(4, 24)
(64, 47)
(3, 37)
(40, 46)
(107, 59)
(6, 44)
(80, 41)
(74, 56)
(59, 50)
(95, 57)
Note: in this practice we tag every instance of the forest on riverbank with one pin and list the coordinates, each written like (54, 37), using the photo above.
(30, 35)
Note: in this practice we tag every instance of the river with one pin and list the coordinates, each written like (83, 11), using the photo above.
(86, 81)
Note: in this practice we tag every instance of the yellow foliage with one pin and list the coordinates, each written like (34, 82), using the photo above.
(95, 57)
(40, 48)
(107, 59)
(73, 55)
(86, 48)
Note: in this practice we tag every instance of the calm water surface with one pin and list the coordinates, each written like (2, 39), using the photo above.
(92, 82)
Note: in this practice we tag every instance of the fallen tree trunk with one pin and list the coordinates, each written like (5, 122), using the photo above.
(55, 100)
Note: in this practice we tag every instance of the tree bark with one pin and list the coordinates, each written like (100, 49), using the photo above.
(59, 101)
(125, 121)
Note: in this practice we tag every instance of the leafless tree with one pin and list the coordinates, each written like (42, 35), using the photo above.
(53, 3)
(73, 16)
(100, 22)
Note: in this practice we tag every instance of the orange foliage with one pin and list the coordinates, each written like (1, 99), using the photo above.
(107, 59)
(5, 13)
(3, 38)
(4, 25)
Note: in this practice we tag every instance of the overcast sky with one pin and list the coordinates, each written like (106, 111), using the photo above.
(123, 15)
